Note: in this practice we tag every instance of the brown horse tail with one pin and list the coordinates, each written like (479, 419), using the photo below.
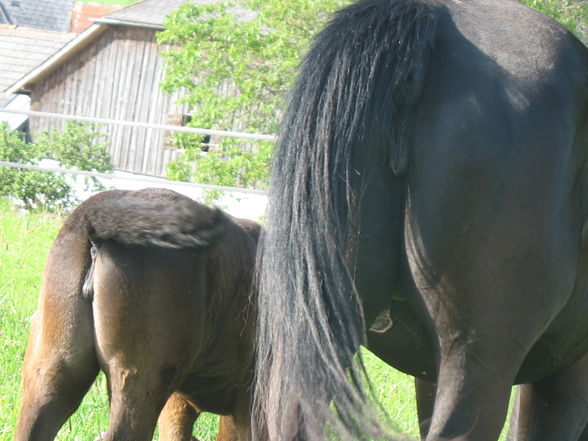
(152, 217)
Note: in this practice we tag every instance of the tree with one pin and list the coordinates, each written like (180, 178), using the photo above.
(225, 46)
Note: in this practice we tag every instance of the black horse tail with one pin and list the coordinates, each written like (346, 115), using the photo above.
(152, 217)
(357, 90)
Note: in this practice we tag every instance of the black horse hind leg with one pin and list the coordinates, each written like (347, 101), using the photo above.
(482, 256)
(475, 285)
(60, 362)
(553, 408)
(425, 399)
(584, 436)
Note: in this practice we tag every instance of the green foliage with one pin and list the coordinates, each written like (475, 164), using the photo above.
(225, 46)
(32, 188)
(230, 165)
(77, 146)
(235, 66)
(573, 14)
(73, 147)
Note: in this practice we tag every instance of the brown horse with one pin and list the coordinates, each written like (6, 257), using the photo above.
(153, 289)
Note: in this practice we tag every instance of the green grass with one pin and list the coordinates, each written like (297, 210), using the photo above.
(24, 244)
(25, 240)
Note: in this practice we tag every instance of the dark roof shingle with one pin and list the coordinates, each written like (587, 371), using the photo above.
(23, 49)
(53, 15)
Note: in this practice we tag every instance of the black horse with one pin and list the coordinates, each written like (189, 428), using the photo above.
(429, 184)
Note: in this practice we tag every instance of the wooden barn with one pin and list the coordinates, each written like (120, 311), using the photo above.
(112, 70)
(21, 50)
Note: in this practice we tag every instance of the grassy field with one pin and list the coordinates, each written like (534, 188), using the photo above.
(25, 240)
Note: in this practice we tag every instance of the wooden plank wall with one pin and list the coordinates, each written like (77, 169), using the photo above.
(116, 77)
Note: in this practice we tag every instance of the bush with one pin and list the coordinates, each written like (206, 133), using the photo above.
(75, 146)
(78, 146)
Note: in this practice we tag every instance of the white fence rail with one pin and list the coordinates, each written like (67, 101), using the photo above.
(244, 135)
(130, 176)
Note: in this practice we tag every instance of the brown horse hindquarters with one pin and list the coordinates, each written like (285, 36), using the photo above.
(149, 311)
(174, 320)
(166, 312)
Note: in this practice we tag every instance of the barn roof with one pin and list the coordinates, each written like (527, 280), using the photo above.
(23, 49)
(148, 14)
(152, 13)
(65, 52)
(52, 15)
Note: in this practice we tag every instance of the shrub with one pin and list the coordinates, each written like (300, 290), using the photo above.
(73, 147)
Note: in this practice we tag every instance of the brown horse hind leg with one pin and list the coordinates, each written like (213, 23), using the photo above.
(227, 430)
(177, 419)
(60, 362)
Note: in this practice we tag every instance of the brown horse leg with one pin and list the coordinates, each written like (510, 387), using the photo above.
(139, 388)
(227, 430)
(425, 398)
(177, 419)
(135, 406)
(554, 408)
(60, 362)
